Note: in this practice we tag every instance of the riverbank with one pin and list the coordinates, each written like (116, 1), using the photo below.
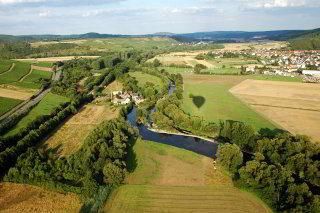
(182, 134)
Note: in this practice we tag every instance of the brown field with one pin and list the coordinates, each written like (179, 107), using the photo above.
(187, 58)
(40, 43)
(254, 45)
(168, 179)
(55, 59)
(69, 137)
(48, 69)
(15, 94)
(293, 106)
(20, 198)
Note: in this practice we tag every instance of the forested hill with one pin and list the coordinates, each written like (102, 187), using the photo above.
(309, 41)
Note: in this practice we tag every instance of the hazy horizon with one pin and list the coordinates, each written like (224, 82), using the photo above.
(133, 17)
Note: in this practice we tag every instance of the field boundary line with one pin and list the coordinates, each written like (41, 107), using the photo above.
(10, 69)
(303, 109)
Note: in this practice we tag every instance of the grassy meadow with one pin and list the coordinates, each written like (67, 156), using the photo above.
(36, 75)
(44, 107)
(7, 104)
(143, 78)
(20, 69)
(168, 179)
(219, 103)
(5, 65)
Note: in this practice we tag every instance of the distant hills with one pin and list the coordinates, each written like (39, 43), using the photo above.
(300, 38)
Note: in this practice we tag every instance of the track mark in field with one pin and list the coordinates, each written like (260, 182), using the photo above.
(29, 73)
(283, 107)
(11, 68)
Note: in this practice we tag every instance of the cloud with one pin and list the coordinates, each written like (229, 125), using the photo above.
(270, 4)
(56, 3)
(194, 10)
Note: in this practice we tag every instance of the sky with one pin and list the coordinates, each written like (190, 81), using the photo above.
(134, 17)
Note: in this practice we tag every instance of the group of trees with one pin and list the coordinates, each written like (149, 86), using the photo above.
(285, 169)
(100, 161)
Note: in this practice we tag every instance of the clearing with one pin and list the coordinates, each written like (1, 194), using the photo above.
(169, 179)
(44, 107)
(68, 137)
(7, 104)
(286, 103)
(19, 198)
(143, 78)
(219, 104)
(114, 86)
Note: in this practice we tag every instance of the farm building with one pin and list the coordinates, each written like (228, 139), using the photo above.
(311, 72)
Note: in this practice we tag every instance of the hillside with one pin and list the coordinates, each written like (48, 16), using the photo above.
(308, 41)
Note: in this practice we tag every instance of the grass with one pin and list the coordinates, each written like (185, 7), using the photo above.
(45, 107)
(114, 86)
(176, 70)
(169, 179)
(69, 136)
(143, 78)
(20, 70)
(21, 198)
(7, 104)
(5, 65)
(219, 103)
(36, 75)
(227, 70)
(44, 64)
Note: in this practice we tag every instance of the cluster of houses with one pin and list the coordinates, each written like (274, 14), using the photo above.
(121, 98)
(282, 62)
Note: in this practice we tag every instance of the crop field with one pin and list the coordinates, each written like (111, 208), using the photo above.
(54, 59)
(7, 104)
(68, 137)
(275, 78)
(36, 75)
(9, 92)
(293, 106)
(143, 78)
(169, 179)
(219, 103)
(5, 65)
(21, 198)
(176, 70)
(45, 107)
(18, 71)
(255, 45)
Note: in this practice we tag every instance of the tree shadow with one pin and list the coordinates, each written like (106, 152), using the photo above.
(198, 101)
(132, 159)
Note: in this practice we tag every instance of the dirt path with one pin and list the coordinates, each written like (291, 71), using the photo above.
(11, 68)
(31, 68)
(47, 69)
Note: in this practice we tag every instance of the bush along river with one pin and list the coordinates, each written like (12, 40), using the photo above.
(194, 144)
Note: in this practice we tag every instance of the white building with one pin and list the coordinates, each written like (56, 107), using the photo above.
(311, 72)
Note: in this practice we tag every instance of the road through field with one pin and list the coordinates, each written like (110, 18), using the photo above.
(11, 68)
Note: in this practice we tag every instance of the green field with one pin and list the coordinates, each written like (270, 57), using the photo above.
(219, 103)
(7, 104)
(43, 64)
(169, 179)
(143, 78)
(226, 70)
(45, 107)
(176, 70)
(5, 65)
(36, 75)
(20, 69)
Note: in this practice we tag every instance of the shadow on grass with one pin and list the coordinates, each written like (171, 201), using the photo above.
(198, 101)
(132, 159)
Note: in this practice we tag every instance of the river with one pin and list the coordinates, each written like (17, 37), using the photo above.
(200, 146)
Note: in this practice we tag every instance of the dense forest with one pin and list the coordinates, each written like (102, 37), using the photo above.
(310, 41)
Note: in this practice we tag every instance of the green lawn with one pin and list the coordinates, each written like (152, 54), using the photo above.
(36, 75)
(169, 179)
(7, 104)
(20, 70)
(45, 107)
(143, 78)
(220, 104)
(5, 65)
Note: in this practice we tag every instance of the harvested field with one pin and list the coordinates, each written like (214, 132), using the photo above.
(21, 198)
(169, 179)
(69, 137)
(15, 94)
(48, 69)
(293, 106)
(55, 59)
